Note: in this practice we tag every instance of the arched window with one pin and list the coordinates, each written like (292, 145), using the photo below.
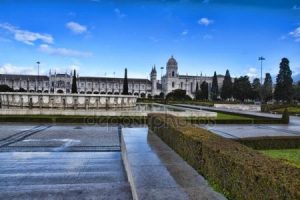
(173, 73)
(173, 84)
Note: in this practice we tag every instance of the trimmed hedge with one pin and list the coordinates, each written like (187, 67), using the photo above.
(238, 171)
(278, 142)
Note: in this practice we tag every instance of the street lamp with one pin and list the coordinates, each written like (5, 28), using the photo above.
(261, 59)
(161, 69)
(38, 63)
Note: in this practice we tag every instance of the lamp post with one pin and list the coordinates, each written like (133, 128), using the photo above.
(38, 63)
(161, 72)
(261, 59)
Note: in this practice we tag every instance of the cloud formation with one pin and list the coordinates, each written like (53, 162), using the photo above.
(205, 21)
(252, 73)
(76, 27)
(296, 34)
(25, 36)
(12, 69)
(45, 48)
(185, 32)
(119, 13)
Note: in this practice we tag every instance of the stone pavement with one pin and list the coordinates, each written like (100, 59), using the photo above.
(252, 130)
(156, 172)
(45, 138)
(63, 175)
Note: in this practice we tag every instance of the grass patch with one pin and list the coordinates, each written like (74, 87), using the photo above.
(290, 156)
(224, 116)
(291, 110)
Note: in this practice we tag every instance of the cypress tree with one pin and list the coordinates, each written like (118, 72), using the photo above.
(197, 87)
(125, 84)
(267, 93)
(226, 91)
(284, 82)
(256, 89)
(74, 83)
(214, 88)
(204, 90)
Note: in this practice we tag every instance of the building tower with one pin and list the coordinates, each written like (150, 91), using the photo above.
(172, 80)
(153, 76)
(172, 68)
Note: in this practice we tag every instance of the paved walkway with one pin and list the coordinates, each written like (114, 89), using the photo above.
(63, 175)
(156, 172)
(252, 130)
(259, 114)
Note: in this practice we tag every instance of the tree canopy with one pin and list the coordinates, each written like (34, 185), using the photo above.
(226, 90)
(242, 88)
(214, 92)
(125, 83)
(284, 82)
(74, 83)
(266, 90)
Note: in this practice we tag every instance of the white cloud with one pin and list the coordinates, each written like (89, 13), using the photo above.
(76, 27)
(12, 69)
(25, 36)
(63, 51)
(119, 13)
(296, 34)
(205, 21)
(185, 32)
(296, 7)
(252, 73)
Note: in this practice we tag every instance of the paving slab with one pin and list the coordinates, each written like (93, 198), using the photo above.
(155, 171)
(63, 175)
(248, 131)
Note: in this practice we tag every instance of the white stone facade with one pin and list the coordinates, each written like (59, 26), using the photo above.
(172, 80)
(140, 87)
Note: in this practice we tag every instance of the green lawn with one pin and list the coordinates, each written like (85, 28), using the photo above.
(292, 110)
(224, 116)
(291, 156)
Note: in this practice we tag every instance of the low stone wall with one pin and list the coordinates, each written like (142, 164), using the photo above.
(65, 101)
(245, 107)
(99, 112)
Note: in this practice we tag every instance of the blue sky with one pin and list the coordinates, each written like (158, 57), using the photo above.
(100, 37)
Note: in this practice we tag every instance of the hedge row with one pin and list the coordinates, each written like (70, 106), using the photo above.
(91, 120)
(238, 171)
(278, 142)
(235, 121)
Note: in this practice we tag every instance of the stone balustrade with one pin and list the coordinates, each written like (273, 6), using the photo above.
(65, 101)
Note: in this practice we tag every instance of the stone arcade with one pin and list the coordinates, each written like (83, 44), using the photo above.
(140, 87)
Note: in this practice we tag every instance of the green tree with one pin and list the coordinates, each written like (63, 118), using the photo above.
(267, 87)
(197, 87)
(242, 89)
(256, 89)
(297, 91)
(204, 90)
(214, 92)
(226, 90)
(125, 84)
(5, 88)
(284, 82)
(178, 95)
(74, 83)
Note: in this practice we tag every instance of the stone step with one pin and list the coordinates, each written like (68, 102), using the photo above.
(111, 191)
